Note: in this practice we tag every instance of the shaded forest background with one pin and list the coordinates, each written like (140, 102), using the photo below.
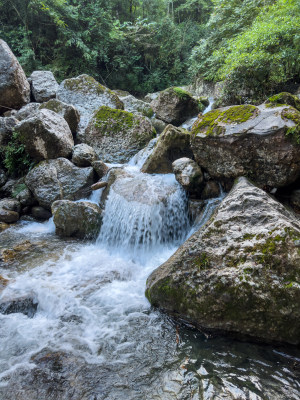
(147, 45)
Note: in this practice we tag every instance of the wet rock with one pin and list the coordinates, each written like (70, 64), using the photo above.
(87, 95)
(79, 219)
(67, 111)
(188, 174)
(46, 135)
(43, 85)
(3, 226)
(117, 135)
(3, 281)
(195, 209)
(174, 106)
(239, 272)
(100, 167)
(99, 185)
(259, 142)
(41, 213)
(14, 87)
(134, 105)
(7, 125)
(59, 179)
(211, 190)
(83, 155)
(173, 143)
(25, 305)
(9, 210)
(113, 175)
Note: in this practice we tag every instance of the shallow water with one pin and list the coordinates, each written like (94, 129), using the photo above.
(94, 335)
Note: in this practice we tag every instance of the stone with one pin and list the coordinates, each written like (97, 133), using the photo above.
(14, 87)
(100, 167)
(22, 193)
(239, 272)
(284, 98)
(39, 212)
(87, 95)
(174, 106)
(188, 174)
(27, 111)
(295, 199)
(99, 185)
(258, 142)
(7, 189)
(77, 219)
(59, 179)
(211, 190)
(172, 144)
(195, 208)
(158, 125)
(117, 135)
(83, 155)
(9, 210)
(67, 111)
(151, 96)
(3, 282)
(7, 125)
(43, 86)
(46, 135)
(134, 105)
(25, 305)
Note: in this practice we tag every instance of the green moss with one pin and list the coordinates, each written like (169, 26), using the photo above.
(84, 83)
(182, 94)
(293, 115)
(209, 123)
(284, 98)
(53, 105)
(112, 120)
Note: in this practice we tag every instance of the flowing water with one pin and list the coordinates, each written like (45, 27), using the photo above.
(94, 335)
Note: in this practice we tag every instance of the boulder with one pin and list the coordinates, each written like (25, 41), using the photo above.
(43, 86)
(41, 213)
(134, 105)
(67, 111)
(211, 190)
(87, 95)
(14, 87)
(59, 179)
(79, 219)
(9, 210)
(100, 167)
(174, 106)
(46, 135)
(117, 135)
(83, 155)
(24, 305)
(158, 125)
(188, 174)
(7, 124)
(239, 272)
(21, 193)
(173, 143)
(284, 98)
(259, 142)
(27, 111)
(7, 189)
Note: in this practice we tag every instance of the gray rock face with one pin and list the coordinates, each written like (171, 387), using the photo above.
(9, 210)
(83, 155)
(79, 219)
(14, 87)
(245, 140)
(174, 106)
(100, 167)
(238, 273)
(188, 174)
(59, 179)
(173, 143)
(46, 135)
(134, 105)
(43, 85)
(117, 135)
(87, 95)
(7, 125)
(67, 111)
(27, 111)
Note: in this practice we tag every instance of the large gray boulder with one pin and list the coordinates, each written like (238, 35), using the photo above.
(46, 135)
(238, 273)
(79, 219)
(27, 111)
(259, 142)
(188, 174)
(134, 105)
(9, 210)
(67, 111)
(14, 87)
(83, 155)
(174, 106)
(87, 95)
(43, 85)
(59, 179)
(172, 144)
(117, 135)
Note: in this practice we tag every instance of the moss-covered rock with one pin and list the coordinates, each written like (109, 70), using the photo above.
(116, 135)
(284, 98)
(175, 105)
(258, 142)
(240, 272)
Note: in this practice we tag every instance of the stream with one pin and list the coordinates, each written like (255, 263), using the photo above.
(94, 335)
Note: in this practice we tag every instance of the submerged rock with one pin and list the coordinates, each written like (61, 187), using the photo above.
(259, 142)
(173, 143)
(46, 135)
(87, 95)
(117, 135)
(25, 305)
(67, 111)
(59, 179)
(188, 174)
(14, 87)
(79, 219)
(83, 155)
(43, 85)
(240, 272)
(174, 106)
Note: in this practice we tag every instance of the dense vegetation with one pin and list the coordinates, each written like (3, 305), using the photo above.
(147, 45)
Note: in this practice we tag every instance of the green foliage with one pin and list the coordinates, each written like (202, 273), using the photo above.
(15, 158)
